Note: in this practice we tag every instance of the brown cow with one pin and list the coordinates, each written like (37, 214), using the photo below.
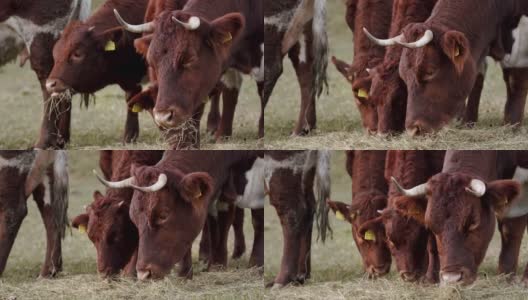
(441, 58)
(171, 203)
(204, 39)
(107, 221)
(458, 206)
(43, 174)
(369, 195)
(367, 55)
(291, 177)
(39, 24)
(93, 54)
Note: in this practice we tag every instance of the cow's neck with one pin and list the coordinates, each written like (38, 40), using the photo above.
(480, 164)
(413, 168)
(368, 172)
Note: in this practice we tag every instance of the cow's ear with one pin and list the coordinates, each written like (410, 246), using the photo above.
(196, 186)
(144, 100)
(413, 207)
(81, 222)
(343, 68)
(501, 193)
(110, 38)
(97, 195)
(142, 44)
(342, 211)
(226, 29)
(456, 47)
(372, 230)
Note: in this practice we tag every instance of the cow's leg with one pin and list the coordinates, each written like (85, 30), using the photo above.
(213, 118)
(433, 266)
(223, 223)
(473, 103)
(286, 197)
(257, 253)
(517, 89)
(238, 229)
(186, 269)
(53, 262)
(302, 59)
(132, 121)
(204, 244)
(130, 268)
(11, 217)
(55, 127)
(232, 82)
(512, 231)
(304, 261)
(525, 276)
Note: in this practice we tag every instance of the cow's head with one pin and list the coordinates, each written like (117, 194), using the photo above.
(459, 210)
(367, 233)
(188, 55)
(108, 225)
(169, 208)
(81, 56)
(361, 84)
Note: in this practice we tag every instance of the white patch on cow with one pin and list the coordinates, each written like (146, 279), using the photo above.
(519, 205)
(302, 49)
(22, 162)
(280, 21)
(254, 194)
(60, 170)
(518, 58)
(258, 73)
(27, 30)
(47, 190)
(232, 79)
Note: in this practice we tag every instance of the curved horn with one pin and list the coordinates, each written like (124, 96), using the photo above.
(417, 191)
(424, 40)
(129, 182)
(192, 24)
(142, 28)
(162, 181)
(476, 187)
(381, 42)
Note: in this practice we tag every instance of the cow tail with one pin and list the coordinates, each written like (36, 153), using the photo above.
(59, 191)
(320, 49)
(322, 192)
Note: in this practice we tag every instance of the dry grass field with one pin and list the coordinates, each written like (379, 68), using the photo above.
(337, 268)
(102, 124)
(339, 124)
(79, 280)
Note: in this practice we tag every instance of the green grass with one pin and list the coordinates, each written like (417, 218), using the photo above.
(339, 124)
(337, 271)
(79, 280)
(102, 125)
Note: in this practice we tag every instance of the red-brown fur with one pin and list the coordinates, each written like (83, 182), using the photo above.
(369, 195)
(376, 16)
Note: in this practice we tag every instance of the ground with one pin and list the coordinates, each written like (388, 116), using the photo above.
(337, 268)
(80, 280)
(102, 124)
(339, 123)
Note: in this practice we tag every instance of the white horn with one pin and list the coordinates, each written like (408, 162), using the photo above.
(142, 28)
(162, 181)
(380, 42)
(192, 24)
(417, 191)
(424, 40)
(476, 187)
(129, 182)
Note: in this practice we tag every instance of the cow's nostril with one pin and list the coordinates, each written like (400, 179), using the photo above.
(143, 275)
(164, 118)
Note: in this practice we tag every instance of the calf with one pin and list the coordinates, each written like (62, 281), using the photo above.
(43, 174)
(190, 50)
(367, 55)
(38, 24)
(458, 206)
(106, 220)
(289, 178)
(296, 28)
(93, 54)
(369, 195)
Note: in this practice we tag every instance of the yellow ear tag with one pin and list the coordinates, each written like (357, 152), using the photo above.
(82, 229)
(227, 38)
(457, 52)
(110, 46)
(339, 216)
(362, 93)
(137, 108)
(369, 235)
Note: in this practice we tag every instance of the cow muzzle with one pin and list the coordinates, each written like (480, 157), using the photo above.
(168, 118)
(143, 275)
(377, 271)
(450, 277)
(408, 276)
(55, 86)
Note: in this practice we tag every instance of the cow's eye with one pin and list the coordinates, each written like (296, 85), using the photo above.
(77, 55)
(429, 74)
(163, 216)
